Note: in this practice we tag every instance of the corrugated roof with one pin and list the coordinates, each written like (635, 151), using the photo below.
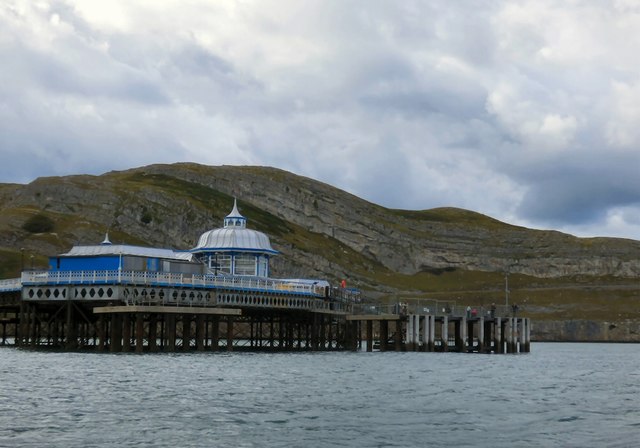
(123, 249)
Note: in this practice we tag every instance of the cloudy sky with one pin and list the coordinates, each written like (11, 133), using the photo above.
(527, 111)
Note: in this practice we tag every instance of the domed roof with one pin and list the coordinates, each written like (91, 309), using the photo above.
(234, 236)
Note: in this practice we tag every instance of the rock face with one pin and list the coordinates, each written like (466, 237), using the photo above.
(147, 204)
(585, 331)
(411, 242)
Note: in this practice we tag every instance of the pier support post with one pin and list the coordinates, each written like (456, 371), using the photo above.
(21, 326)
(369, 335)
(398, 335)
(186, 332)
(461, 334)
(522, 335)
(101, 333)
(409, 338)
(229, 333)
(497, 336)
(215, 333)
(432, 334)
(527, 344)
(489, 325)
(71, 342)
(384, 335)
(170, 322)
(426, 331)
(469, 336)
(115, 345)
(481, 334)
(126, 332)
(445, 334)
(200, 332)
(323, 333)
(353, 337)
(514, 335)
(314, 332)
(509, 334)
(33, 327)
(153, 332)
(139, 332)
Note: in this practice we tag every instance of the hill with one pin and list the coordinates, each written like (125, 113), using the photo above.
(323, 232)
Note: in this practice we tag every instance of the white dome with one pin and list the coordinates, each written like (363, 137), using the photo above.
(234, 238)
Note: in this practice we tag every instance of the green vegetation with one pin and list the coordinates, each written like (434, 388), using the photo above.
(39, 223)
(194, 192)
(146, 217)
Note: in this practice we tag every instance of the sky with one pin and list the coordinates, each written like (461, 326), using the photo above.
(526, 111)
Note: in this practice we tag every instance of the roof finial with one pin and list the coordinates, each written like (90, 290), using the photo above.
(106, 239)
(235, 219)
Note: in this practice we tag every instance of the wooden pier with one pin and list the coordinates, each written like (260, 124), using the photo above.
(152, 328)
(250, 322)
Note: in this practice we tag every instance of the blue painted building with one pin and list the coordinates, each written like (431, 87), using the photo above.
(232, 250)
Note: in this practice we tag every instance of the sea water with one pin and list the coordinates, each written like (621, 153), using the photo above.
(570, 395)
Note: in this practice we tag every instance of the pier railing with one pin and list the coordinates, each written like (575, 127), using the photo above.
(169, 279)
(350, 298)
(11, 284)
(434, 308)
(237, 299)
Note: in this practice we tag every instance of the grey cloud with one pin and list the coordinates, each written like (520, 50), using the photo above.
(582, 189)
(86, 75)
(406, 104)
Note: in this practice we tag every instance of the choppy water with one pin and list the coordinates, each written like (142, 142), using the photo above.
(559, 395)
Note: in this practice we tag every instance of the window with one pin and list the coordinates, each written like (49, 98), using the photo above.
(220, 263)
(263, 266)
(245, 264)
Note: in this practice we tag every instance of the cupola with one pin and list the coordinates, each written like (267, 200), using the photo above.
(234, 249)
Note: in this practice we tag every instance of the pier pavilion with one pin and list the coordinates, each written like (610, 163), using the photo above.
(219, 296)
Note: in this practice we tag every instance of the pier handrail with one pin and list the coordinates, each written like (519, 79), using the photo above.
(438, 308)
(11, 284)
(168, 278)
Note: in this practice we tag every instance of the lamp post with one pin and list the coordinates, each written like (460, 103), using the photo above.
(120, 265)
(506, 287)
(506, 281)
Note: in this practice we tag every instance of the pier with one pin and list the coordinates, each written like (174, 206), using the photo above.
(115, 311)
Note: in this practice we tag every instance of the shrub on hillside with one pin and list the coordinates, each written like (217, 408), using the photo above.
(38, 224)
